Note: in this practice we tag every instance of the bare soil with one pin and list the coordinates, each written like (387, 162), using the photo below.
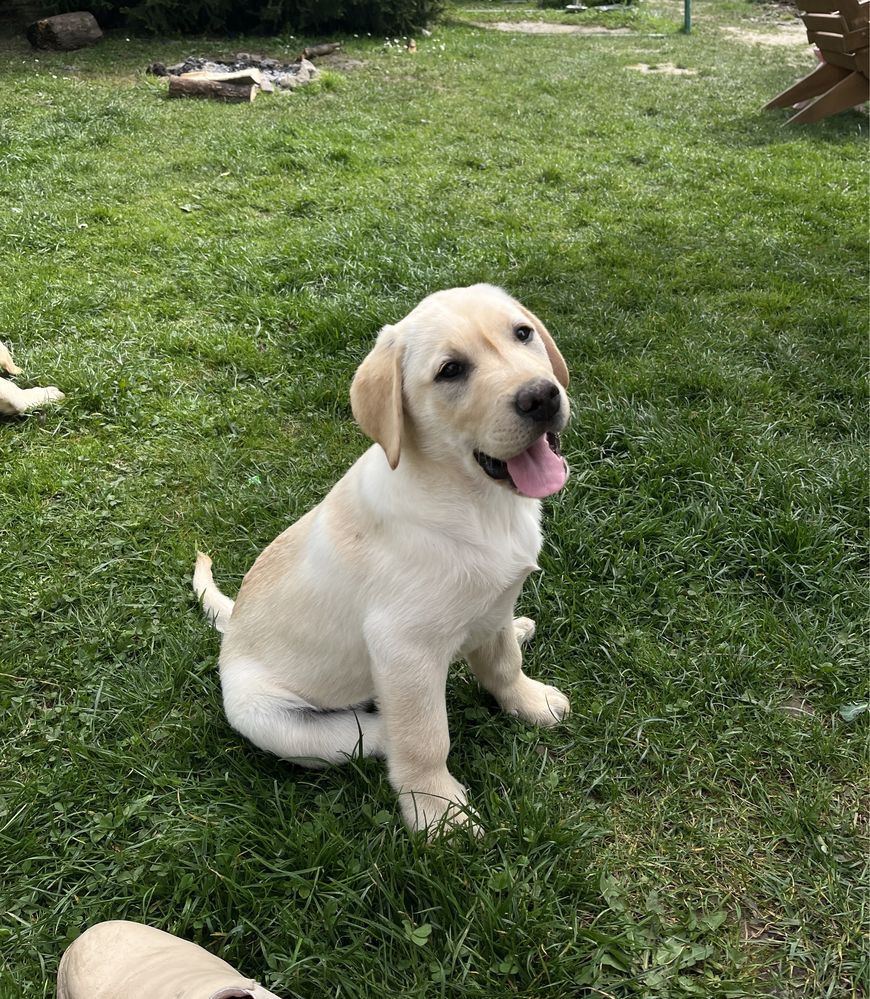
(665, 69)
(542, 28)
(786, 34)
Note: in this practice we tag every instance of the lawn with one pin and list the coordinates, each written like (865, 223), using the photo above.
(202, 280)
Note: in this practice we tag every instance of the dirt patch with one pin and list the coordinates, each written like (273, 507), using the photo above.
(797, 707)
(786, 34)
(339, 61)
(665, 69)
(543, 28)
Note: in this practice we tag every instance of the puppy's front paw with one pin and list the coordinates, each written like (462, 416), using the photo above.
(524, 629)
(52, 394)
(437, 808)
(535, 702)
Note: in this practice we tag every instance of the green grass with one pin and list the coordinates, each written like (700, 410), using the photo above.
(704, 271)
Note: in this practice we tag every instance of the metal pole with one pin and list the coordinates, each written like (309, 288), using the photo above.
(687, 16)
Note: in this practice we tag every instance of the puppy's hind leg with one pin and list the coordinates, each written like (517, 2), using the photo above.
(15, 400)
(302, 734)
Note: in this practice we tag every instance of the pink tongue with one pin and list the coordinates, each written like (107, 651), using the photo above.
(538, 471)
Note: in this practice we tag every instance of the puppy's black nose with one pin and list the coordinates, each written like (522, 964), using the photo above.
(538, 400)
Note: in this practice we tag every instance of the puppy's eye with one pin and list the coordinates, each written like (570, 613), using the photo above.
(452, 369)
(524, 333)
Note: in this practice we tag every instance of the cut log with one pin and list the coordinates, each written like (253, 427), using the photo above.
(238, 93)
(64, 32)
(239, 76)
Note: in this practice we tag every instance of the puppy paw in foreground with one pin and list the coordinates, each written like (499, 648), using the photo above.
(344, 629)
(124, 960)
(15, 400)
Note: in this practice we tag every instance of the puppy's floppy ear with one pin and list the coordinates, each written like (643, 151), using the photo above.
(376, 394)
(557, 362)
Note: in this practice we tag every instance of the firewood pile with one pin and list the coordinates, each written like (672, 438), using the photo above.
(240, 79)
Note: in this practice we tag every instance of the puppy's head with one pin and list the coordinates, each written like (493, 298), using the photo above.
(473, 380)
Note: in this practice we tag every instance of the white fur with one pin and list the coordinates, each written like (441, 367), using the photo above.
(396, 574)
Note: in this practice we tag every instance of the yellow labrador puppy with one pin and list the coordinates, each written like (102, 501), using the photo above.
(345, 627)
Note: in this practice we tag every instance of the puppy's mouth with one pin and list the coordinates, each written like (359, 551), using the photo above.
(537, 472)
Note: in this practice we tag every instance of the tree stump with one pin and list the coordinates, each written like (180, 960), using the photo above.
(64, 32)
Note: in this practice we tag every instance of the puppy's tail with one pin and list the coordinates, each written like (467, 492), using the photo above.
(216, 605)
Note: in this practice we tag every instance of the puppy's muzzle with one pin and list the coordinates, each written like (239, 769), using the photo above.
(538, 400)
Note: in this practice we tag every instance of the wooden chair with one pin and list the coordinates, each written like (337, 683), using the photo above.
(840, 30)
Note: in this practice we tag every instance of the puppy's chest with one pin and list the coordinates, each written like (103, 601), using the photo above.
(495, 561)
(485, 595)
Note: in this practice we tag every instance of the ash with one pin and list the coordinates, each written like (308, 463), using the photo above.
(286, 76)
